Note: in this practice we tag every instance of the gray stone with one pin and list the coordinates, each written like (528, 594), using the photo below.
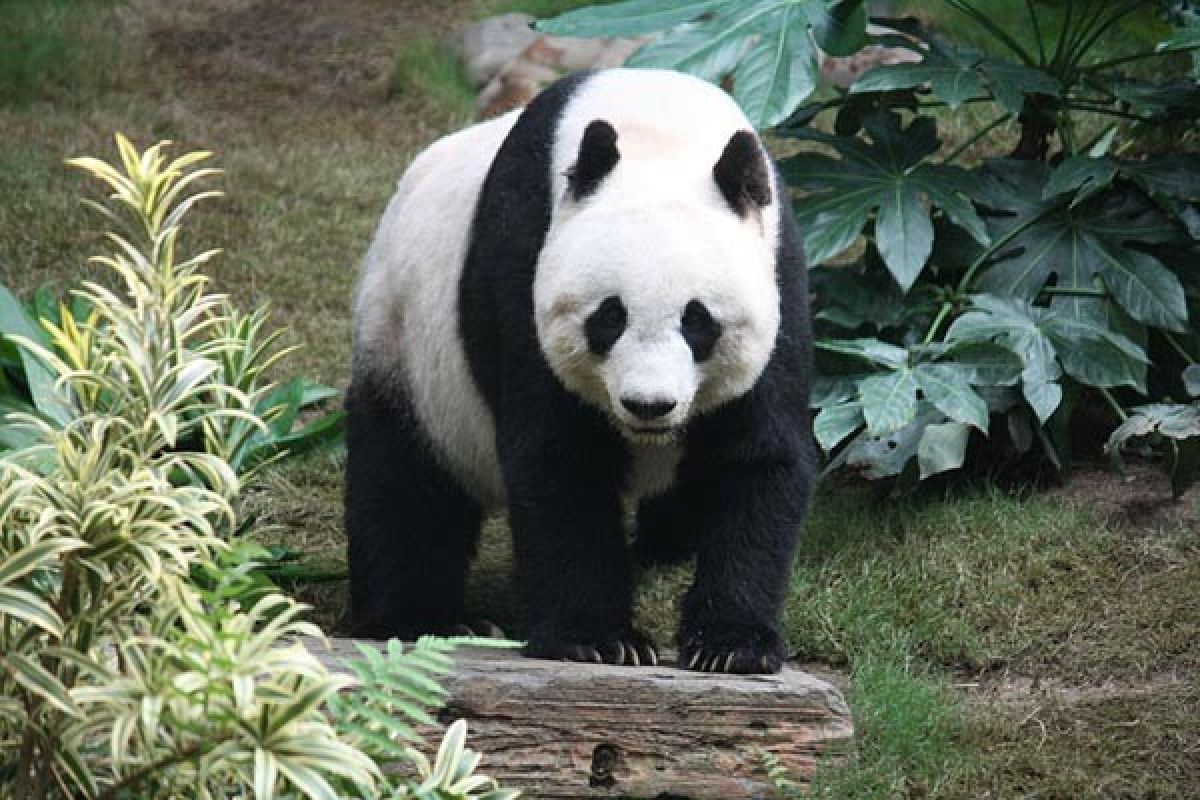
(485, 47)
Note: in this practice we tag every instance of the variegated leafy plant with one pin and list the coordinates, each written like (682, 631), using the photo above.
(120, 677)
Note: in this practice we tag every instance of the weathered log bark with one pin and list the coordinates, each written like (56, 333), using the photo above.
(565, 730)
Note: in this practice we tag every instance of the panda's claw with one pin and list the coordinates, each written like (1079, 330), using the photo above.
(737, 649)
(629, 648)
(631, 654)
(649, 655)
(479, 629)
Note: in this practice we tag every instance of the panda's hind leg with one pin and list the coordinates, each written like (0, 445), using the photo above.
(412, 529)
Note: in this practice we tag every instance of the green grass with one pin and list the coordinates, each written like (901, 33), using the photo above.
(42, 44)
(990, 591)
(426, 68)
(908, 730)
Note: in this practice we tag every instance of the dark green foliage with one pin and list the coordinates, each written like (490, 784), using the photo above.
(998, 297)
(767, 46)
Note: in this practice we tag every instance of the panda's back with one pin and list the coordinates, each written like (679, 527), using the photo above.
(407, 320)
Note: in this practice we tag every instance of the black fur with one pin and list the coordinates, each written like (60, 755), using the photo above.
(741, 174)
(740, 495)
(597, 157)
(412, 527)
(605, 325)
(700, 330)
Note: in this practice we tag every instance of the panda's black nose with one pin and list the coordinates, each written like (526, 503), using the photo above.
(648, 411)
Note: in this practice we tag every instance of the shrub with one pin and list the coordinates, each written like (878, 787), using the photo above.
(119, 676)
(998, 298)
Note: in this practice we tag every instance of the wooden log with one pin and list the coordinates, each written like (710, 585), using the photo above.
(567, 730)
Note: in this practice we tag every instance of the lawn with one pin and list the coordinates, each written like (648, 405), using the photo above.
(993, 644)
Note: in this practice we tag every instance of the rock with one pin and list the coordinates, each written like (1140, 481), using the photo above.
(485, 47)
(545, 59)
(843, 71)
(514, 87)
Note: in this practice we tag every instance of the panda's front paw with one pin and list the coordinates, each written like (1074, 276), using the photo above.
(740, 649)
(629, 648)
(479, 629)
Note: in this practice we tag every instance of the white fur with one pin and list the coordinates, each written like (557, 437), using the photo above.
(407, 303)
(652, 470)
(658, 234)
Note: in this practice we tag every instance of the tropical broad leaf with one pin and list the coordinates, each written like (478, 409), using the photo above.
(1172, 420)
(631, 18)
(955, 75)
(1172, 176)
(1184, 38)
(942, 447)
(1187, 33)
(1159, 99)
(1078, 247)
(1049, 343)
(1191, 380)
(886, 455)
(16, 321)
(863, 299)
(889, 400)
(769, 46)
(1178, 423)
(888, 179)
(947, 387)
(872, 351)
(834, 423)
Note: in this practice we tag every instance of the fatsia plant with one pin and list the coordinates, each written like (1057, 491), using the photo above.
(120, 677)
(961, 299)
(768, 48)
(1178, 424)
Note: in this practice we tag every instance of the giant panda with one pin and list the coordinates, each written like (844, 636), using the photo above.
(592, 305)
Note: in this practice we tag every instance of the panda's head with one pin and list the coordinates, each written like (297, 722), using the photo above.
(655, 294)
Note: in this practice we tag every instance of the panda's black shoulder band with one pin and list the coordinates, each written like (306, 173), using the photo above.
(741, 174)
(597, 157)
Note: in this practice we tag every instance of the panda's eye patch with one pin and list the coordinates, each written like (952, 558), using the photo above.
(700, 330)
(605, 325)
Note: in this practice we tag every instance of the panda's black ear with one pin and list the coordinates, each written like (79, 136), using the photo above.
(741, 174)
(597, 157)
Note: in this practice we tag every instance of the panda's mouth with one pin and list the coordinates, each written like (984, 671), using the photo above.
(653, 434)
